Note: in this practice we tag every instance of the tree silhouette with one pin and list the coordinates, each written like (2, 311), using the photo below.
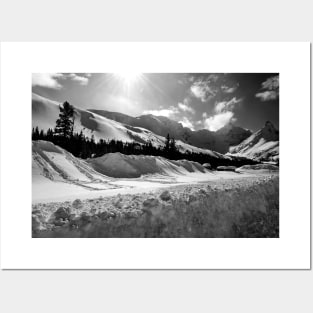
(65, 123)
(81, 146)
(173, 145)
(167, 143)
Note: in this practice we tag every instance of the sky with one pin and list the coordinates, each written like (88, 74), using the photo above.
(197, 100)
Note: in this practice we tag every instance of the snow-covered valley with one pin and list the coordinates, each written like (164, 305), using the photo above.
(100, 196)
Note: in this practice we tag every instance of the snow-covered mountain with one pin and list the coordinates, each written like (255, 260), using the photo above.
(261, 145)
(45, 113)
(219, 141)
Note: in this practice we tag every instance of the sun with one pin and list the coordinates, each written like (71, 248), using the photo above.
(128, 78)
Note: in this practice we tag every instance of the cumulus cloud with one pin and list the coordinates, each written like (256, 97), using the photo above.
(271, 83)
(205, 89)
(267, 95)
(52, 80)
(80, 79)
(170, 112)
(217, 121)
(48, 80)
(271, 89)
(226, 105)
(185, 107)
(224, 114)
(187, 123)
(227, 89)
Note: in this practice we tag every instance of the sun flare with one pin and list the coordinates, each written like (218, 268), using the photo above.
(128, 77)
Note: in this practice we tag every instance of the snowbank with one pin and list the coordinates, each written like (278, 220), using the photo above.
(56, 173)
(59, 176)
(258, 167)
(56, 163)
(226, 168)
(226, 208)
(131, 166)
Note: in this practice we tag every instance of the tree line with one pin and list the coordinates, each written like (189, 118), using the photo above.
(84, 147)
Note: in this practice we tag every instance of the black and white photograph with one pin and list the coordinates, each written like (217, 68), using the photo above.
(155, 155)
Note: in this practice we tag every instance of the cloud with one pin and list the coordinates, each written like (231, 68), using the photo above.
(185, 107)
(173, 112)
(52, 80)
(224, 114)
(170, 112)
(88, 74)
(191, 78)
(205, 89)
(187, 123)
(217, 121)
(224, 106)
(227, 89)
(48, 80)
(271, 89)
(267, 95)
(271, 83)
(81, 79)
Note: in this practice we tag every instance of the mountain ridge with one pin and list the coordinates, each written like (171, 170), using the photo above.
(219, 141)
(261, 145)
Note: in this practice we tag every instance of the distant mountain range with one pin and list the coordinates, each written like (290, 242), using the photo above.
(263, 144)
(219, 141)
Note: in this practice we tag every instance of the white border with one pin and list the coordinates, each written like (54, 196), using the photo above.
(290, 251)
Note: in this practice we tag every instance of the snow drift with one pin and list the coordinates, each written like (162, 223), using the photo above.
(56, 164)
(57, 174)
(266, 168)
(231, 208)
(131, 166)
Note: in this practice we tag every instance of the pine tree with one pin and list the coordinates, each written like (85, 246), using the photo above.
(35, 135)
(173, 145)
(167, 143)
(41, 135)
(65, 123)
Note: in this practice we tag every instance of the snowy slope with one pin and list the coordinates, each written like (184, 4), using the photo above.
(131, 166)
(160, 125)
(45, 112)
(261, 145)
(56, 164)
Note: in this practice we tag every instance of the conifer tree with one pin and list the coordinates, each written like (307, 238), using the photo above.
(173, 145)
(167, 143)
(65, 123)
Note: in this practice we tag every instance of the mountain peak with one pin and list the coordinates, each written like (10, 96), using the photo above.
(269, 132)
(269, 124)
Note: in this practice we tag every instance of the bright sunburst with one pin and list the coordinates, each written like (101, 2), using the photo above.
(128, 78)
